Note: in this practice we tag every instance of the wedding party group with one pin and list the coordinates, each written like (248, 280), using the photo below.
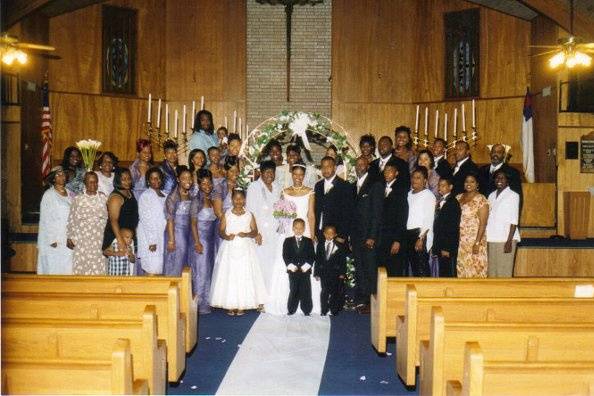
(281, 244)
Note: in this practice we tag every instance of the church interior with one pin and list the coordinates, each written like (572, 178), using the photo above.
(516, 73)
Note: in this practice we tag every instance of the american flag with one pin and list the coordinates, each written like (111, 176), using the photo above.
(46, 132)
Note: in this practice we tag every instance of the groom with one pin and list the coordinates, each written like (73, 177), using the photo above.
(335, 201)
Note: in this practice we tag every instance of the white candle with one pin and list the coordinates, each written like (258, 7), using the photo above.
(436, 121)
(166, 117)
(473, 115)
(148, 116)
(426, 120)
(240, 131)
(226, 122)
(184, 120)
(159, 113)
(234, 121)
(463, 119)
(417, 120)
(202, 103)
(455, 120)
(445, 127)
(193, 110)
(175, 124)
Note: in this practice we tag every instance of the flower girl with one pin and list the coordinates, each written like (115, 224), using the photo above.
(237, 282)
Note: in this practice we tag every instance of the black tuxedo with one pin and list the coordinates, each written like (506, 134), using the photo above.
(487, 182)
(403, 171)
(335, 207)
(366, 225)
(393, 229)
(329, 269)
(467, 168)
(446, 235)
(299, 254)
(442, 167)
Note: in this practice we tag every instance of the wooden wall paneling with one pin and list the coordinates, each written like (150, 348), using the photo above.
(25, 258)
(77, 38)
(544, 32)
(540, 209)
(206, 50)
(554, 262)
(569, 177)
(558, 11)
(505, 55)
(116, 122)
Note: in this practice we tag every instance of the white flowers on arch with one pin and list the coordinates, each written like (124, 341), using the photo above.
(296, 123)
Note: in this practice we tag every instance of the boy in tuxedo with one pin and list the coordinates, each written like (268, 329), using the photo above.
(446, 229)
(299, 257)
(331, 269)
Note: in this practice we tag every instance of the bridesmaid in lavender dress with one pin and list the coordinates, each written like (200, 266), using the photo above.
(177, 212)
(141, 164)
(204, 233)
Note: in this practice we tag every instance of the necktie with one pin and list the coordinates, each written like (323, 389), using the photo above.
(382, 164)
(388, 190)
(328, 250)
(298, 242)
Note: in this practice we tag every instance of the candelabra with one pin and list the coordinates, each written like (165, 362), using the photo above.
(156, 135)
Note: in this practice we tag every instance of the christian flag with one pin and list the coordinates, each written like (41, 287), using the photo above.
(528, 138)
(46, 131)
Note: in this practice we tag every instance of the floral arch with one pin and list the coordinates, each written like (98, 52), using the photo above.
(298, 124)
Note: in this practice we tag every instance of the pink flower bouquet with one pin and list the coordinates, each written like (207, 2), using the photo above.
(284, 212)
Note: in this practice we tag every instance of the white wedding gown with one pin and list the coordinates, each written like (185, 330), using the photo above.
(279, 289)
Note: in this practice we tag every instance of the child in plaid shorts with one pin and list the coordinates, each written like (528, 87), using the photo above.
(120, 263)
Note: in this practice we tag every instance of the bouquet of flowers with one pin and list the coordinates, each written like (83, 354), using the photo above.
(284, 212)
(88, 149)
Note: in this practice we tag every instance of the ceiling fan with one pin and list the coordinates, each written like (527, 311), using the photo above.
(570, 51)
(11, 49)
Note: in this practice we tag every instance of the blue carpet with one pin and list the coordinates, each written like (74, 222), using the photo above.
(220, 336)
(352, 365)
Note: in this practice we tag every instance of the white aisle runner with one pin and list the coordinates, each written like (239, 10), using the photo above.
(281, 355)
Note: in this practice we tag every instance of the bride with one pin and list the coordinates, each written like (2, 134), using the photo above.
(303, 198)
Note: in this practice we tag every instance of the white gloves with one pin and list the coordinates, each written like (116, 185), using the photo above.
(305, 267)
(292, 267)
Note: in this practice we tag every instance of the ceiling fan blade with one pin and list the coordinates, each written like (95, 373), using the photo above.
(543, 46)
(546, 53)
(587, 45)
(48, 56)
(32, 46)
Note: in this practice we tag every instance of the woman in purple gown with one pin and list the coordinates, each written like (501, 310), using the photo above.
(142, 163)
(177, 213)
(205, 234)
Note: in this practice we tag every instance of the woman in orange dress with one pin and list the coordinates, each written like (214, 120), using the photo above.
(472, 253)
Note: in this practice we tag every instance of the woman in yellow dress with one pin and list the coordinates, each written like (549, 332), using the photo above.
(472, 253)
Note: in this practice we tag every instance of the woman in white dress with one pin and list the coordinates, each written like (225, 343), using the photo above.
(237, 282)
(152, 223)
(107, 162)
(262, 194)
(304, 199)
(54, 257)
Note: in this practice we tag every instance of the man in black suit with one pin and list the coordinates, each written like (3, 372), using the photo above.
(330, 269)
(393, 224)
(438, 149)
(486, 172)
(365, 233)
(446, 229)
(385, 146)
(299, 257)
(464, 166)
(334, 202)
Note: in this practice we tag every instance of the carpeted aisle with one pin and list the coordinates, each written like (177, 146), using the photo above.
(350, 366)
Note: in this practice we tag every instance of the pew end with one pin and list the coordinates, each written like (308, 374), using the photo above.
(189, 306)
(378, 316)
(406, 347)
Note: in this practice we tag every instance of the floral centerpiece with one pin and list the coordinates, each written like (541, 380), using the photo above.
(88, 149)
(284, 211)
